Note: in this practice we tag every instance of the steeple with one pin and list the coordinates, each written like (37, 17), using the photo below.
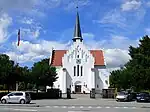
(77, 29)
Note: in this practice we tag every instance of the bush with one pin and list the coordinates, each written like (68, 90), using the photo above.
(1, 87)
(50, 94)
(3, 94)
(21, 86)
(30, 86)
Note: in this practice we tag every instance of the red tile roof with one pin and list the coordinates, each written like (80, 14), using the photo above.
(99, 57)
(56, 59)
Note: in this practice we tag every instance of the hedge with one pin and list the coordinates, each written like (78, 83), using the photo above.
(3, 94)
(50, 94)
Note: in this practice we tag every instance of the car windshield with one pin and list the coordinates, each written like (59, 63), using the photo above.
(143, 94)
(122, 93)
(10, 94)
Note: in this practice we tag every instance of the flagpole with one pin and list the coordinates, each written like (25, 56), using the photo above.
(18, 43)
(50, 59)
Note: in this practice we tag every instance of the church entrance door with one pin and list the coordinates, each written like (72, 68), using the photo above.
(77, 88)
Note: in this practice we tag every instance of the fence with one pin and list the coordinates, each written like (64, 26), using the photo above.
(109, 93)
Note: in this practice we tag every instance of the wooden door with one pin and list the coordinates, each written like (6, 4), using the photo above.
(78, 88)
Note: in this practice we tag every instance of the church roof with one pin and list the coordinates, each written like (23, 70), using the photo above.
(77, 29)
(56, 59)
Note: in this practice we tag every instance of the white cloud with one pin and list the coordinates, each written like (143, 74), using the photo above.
(131, 5)
(31, 7)
(114, 17)
(29, 52)
(32, 29)
(116, 57)
(88, 35)
(30, 33)
(114, 42)
(23, 5)
(115, 49)
(147, 31)
(123, 18)
(35, 6)
(26, 20)
(5, 22)
(148, 4)
(68, 4)
(25, 57)
(115, 54)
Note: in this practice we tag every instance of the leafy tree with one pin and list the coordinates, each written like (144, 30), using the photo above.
(136, 71)
(25, 77)
(43, 74)
(8, 71)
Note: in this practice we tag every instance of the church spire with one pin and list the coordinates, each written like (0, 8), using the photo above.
(77, 29)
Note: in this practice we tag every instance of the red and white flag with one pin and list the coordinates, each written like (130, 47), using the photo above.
(18, 37)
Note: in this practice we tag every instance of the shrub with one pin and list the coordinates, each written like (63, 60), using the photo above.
(50, 94)
(1, 87)
(21, 86)
(3, 94)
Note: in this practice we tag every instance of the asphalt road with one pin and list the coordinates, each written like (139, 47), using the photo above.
(73, 109)
(78, 104)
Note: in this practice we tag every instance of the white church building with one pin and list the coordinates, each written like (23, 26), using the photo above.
(79, 68)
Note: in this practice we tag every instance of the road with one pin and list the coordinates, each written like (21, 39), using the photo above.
(73, 109)
(80, 104)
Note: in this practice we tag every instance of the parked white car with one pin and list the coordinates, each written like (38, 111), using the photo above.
(122, 96)
(16, 97)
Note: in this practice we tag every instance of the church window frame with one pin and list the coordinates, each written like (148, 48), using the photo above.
(74, 70)
(81, 70)
(78, 70)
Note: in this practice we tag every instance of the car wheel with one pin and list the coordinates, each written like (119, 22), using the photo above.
(117, 100)
(3, 101)
(22, 101)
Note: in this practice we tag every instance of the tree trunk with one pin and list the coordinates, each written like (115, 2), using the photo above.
(17, 86)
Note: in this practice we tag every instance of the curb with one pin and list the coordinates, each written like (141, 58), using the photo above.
(22, 105)
(145, 107)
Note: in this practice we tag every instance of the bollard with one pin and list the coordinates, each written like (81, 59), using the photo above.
(92, 93)
(60, 94)
(68, 93)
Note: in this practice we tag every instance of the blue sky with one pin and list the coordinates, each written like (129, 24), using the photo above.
(111, 25)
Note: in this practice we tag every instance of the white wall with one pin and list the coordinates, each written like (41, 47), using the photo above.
(101, 76)
(87, 62)
(67, 79)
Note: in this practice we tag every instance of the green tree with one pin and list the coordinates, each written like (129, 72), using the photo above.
(25, 77)
(137, 69)
(43, 74)
(8, 71)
